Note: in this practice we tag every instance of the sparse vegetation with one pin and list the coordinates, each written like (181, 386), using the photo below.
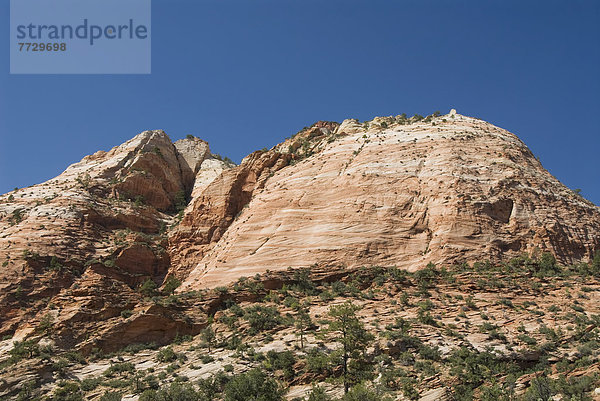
(402, 312)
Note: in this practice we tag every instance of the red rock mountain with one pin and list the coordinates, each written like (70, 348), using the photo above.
(389, 192)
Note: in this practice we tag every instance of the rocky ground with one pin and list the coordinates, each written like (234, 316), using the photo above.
(483, 331)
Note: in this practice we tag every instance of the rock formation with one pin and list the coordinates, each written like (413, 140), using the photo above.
(390, 192)
(91, 260)
(76, 247)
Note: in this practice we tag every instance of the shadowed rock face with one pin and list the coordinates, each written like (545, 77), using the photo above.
(451, 190)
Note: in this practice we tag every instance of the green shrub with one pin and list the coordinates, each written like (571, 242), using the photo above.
(111, 396)
(361, 393)
(318, 394)
(262, 318)
(207, 359)
(67, 391)
(284, 361)
(253, 385)
(55, 264)
(90, 384)
(175, 392)
(171, 285)
(75, 356)
(148, 288)
(17, 216)
(540, 388)
(317, 361)
(526, 339)
(180, 201)
(166, 355)
(23, 349)
(119, 368)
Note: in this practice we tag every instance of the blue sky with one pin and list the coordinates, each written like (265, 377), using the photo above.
(243, 75)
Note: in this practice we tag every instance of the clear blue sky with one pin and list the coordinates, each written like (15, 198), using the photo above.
(245, 74)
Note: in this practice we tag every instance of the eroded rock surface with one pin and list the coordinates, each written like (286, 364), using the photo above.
(450, 190)
(77, 247)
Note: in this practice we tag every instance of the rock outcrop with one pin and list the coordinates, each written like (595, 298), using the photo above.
(75, 248)
(390, 192)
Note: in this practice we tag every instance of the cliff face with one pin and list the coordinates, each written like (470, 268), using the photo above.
(392, 193)
(81, 253)
(76, 247)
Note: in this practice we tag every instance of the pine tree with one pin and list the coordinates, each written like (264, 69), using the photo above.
(303, 324)
(350, 333)
(208, 336)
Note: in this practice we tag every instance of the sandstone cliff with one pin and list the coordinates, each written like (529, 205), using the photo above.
(83, 254)
(75, 248)
(390, 192)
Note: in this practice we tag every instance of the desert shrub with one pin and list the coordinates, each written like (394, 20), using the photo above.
(284, 361)
(409, 389)
(55, 265)
(60, 367)
(426, 318)
(208, 336)
(576, 388)
(262, 318)
(180, 201)
(426, 277)
(526, 339)
(171, 285)
(253, 385)
(111, 396)
(361, 393)
(23, 349)
(318, 394)
(472, 368)
(546, 266)
(17, 216)
(46, 323)
(137, 347)
(495, 392)
(431, 353)
(67, 391)
(303, 283)
(209, 388)
(317, 361)
(148, 288)
(207, 359)
(75, 356)
(119, 368)
(166, 355)
(90, 384)
(540, 388)
(175, 392)
(126, 313)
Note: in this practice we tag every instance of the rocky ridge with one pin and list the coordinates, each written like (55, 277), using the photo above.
(76, 247)
(90, 259)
